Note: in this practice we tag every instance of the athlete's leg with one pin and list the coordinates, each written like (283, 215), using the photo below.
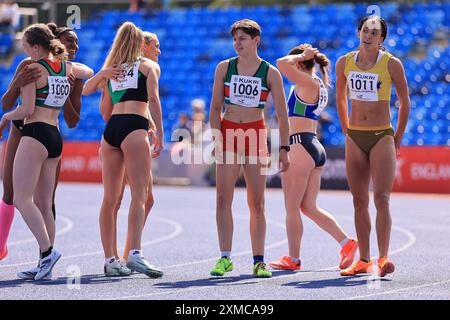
(7, 207)
(358, 174)
(116, 214)
(11, 149)
(226, 177)
(294, 183)
(382, 165)
(320, 216)
(58, 171)
(150, 199)
(148, 206)
(136, 152)
(256, 186)
(43, 195)
(112, 173)
(28, 164)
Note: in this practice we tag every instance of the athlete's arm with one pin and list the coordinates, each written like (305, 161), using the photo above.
(106, 104)
(27, 108)
(275, 82)
(71, 116)
(96, 82)
(397, 73)
(217, 99)
(151, 123)
(288, 66)
(341, 94)
(81, 71)
(154, 104)
(72, 107)
(21, 78)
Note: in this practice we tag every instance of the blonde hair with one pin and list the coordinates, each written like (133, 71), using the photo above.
(126, 48)
(149, 36)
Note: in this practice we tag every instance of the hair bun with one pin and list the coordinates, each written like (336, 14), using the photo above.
(53, 27)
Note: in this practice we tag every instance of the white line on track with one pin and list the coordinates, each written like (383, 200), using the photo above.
(175, 233)
(271, 246)
(410, 242)
(66, 229)
(400, 290)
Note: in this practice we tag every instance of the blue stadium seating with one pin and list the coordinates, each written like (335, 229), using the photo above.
(194, 40)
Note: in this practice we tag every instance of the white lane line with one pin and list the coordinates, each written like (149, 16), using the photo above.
(271, 246)
(66, 229)
(399, 290)
(175, 233)
(410, 242)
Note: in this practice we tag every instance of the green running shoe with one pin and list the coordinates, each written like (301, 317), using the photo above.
(223, 265)
(259, 270)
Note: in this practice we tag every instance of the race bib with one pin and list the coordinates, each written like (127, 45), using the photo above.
(363, 86)
(245, 91)
(58, 91)
(129, 80)
(323, 100)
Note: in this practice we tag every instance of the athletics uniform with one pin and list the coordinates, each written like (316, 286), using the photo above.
(52, 96)
(246, 139)
(370, 85)
(298, 108)
(133, 87)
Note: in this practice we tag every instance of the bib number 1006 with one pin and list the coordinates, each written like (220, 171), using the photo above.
(246, 89)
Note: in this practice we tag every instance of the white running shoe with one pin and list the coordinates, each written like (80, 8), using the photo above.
(30, 274)
(116, 269)
(141, 265)
(46, 265)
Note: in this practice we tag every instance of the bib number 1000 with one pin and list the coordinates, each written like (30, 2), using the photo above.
(60, 89)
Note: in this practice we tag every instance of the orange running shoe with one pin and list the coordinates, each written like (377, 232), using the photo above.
(348, 254)
(285, 263)
(4, 253)
(358, 267)
(385, 266)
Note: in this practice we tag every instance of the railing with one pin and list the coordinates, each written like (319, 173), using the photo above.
(29, 17)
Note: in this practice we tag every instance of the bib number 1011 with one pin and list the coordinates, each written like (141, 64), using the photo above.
(358, 84)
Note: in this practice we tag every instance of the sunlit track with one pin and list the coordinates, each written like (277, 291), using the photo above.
(172, 235)
(183, 244)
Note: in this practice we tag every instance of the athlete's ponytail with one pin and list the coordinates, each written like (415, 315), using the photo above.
(127, 46)
(320, 58)
(58, 50)
(53, 27)
(324, 63)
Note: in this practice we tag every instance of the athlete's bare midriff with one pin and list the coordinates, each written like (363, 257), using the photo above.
(42, 114)
(300, 124)
(369, 114)
(131, 107)
(242, 114)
